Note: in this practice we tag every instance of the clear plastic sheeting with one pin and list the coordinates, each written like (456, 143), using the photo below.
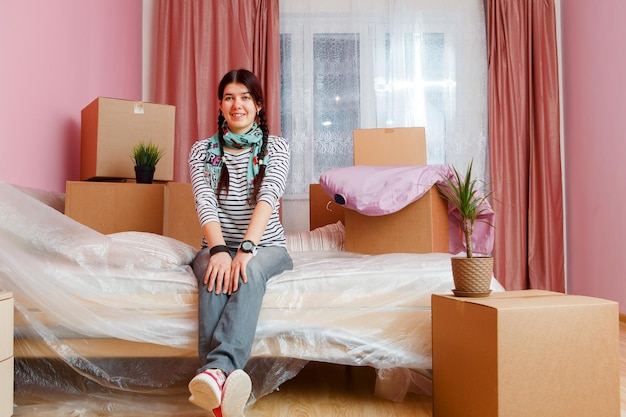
(115, 316)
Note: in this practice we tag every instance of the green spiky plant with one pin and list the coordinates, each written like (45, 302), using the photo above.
(468, 196)
(146, 155)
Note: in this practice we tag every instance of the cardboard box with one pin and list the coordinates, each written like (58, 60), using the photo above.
(111, 207)
(323, 210)
(6, 325)
(525, 353)
(6, 354)
(420, 227)
(110, 129)
(396, 147)
(180, 216)
(6, 387)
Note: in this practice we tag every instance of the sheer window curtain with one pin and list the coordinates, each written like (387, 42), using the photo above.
(349, 64)
(197, 43)
(524, 135)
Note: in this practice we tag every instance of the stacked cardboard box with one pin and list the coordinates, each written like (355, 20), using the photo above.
(110, 207)
(111, 128)
(422, 226)
(107, 199)
(180, 219)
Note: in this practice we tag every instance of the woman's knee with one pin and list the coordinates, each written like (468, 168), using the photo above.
(271, 261)
(200, 263)
(255, 274)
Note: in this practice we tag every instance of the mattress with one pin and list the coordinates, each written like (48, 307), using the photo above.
(72, 284)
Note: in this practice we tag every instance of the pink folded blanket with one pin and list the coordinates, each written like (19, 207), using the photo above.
(382, 190)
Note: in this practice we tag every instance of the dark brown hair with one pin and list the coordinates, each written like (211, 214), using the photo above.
(252, 83)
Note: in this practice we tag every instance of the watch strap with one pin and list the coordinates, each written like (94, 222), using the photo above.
(218, 248)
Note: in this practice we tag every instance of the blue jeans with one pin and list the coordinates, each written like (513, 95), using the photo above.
(227, 323)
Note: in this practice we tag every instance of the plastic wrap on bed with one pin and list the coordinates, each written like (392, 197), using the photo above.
(72, 283)
(69, 281)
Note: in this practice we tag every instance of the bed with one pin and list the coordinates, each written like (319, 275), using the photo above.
(110, 307)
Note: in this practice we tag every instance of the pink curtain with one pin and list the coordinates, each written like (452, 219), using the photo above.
(197, 43)
(524, 135)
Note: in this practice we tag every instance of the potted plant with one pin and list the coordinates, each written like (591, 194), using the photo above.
(146, 157)
(471, 274)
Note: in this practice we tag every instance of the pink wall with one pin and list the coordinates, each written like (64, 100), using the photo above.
(56, 57)
(594, 101)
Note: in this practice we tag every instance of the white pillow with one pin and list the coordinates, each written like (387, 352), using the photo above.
(325, 238)
(54, 199)
(168, 249)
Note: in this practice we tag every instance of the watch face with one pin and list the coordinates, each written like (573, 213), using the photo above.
(247, 246)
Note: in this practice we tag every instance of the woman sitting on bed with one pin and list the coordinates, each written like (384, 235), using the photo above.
(238, 177)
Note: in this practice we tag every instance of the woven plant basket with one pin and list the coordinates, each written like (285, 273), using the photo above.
(472, 276)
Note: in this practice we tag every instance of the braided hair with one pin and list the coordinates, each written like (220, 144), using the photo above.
(252, 83)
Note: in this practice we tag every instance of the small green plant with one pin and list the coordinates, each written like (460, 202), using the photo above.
(468, 196)
(146, 155)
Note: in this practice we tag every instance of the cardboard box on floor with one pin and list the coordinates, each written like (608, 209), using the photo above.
(6, 354)
(525, 353)
(422, 226)
(109, 207)
(110, 129)
(6, 325)
(6, 387)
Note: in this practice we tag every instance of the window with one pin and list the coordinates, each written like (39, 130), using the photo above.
(364, 69)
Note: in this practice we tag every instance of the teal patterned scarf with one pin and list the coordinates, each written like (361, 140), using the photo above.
(214, 159)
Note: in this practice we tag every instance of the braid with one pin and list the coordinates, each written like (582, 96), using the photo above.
(262, 152)
(224, 178)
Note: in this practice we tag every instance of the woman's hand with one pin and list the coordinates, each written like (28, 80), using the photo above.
(237, 269)
(218, 273)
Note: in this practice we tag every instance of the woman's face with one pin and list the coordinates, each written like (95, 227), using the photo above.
(238, 107)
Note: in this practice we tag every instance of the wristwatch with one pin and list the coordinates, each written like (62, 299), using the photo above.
(248, 246)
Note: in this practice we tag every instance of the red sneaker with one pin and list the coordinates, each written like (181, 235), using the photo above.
(237, 389)
(207, 389)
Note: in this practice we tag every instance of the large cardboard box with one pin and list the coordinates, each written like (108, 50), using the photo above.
(110, 129)
(6, 354)
(525, 353)
(111, 207)
(422, 226)
(180, 217)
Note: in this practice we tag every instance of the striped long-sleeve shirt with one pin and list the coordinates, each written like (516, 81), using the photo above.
(232, 210)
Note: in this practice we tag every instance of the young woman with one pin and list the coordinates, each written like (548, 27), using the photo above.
(238, 177)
